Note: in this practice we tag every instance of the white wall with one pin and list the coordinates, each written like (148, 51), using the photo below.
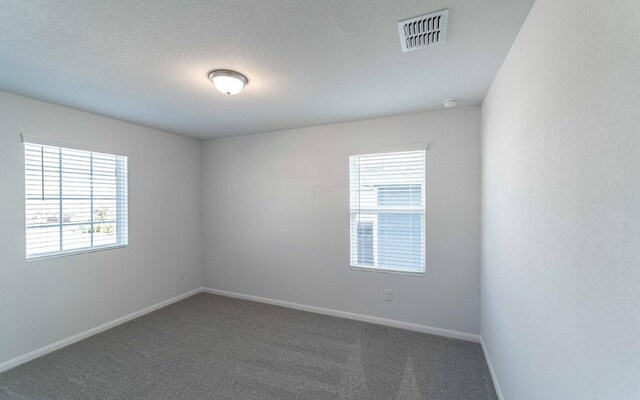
(561, 205)
(44, 301)
(276, 209)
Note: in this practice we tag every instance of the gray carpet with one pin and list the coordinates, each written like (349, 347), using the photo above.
(213, 347)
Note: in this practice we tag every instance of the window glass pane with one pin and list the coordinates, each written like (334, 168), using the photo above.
(76, 236)
(104, 211)
(40, 212)
(365, 243)
(43, 239)
(104, 234)
(399, 238)
(76, 210)
(399, 195)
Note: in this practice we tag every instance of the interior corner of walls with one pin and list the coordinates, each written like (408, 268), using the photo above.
(511, 48)
(545, 121)
(21, 359)
(163, 180)
(492, 372)
(296, 161)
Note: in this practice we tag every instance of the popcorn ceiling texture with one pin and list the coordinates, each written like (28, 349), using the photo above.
(308, 62)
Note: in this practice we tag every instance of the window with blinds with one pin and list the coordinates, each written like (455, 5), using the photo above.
(75, 200)
(388, 211)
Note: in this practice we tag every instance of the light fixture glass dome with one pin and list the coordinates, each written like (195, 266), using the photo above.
(228, 82)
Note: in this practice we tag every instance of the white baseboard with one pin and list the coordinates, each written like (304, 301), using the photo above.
(494, 378)
(348, 315)
(319, 310)
(83, 335)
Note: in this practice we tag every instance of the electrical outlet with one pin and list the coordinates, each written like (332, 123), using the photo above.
(181, 276)
(388, 295)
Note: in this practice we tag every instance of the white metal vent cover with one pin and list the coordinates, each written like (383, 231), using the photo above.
(425, 30)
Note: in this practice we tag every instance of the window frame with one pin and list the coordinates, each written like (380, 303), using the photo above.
(422, 146)
(122, 201)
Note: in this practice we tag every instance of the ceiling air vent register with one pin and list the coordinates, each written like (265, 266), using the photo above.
(425, 30)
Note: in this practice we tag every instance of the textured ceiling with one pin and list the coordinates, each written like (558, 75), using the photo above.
(309, 62)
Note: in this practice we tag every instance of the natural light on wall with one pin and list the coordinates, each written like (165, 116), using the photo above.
(75, 200)
(387, 191)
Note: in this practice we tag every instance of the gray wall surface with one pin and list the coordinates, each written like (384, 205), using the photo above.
(561, 205)
(44, 301)
(276, 219)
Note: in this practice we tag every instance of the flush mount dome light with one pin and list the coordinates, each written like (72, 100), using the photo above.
(228, 82)
(450, 103)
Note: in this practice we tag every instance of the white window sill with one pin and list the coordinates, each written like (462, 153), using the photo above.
(58, 254)
(386, 271)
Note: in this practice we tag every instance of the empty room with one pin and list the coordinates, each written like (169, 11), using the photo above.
(320, 200)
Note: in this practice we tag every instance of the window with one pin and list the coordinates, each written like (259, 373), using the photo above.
(75, 200)
(388, 211)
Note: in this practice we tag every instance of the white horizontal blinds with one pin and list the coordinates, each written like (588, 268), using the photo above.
(388, 211)
(75, 199)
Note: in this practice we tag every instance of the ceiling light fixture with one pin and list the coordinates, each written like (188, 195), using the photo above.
(228, 82)
(450, 103)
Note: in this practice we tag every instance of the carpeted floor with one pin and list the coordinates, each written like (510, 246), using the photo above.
(213, 347)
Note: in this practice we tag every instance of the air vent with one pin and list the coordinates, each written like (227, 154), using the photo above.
(425, 30)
